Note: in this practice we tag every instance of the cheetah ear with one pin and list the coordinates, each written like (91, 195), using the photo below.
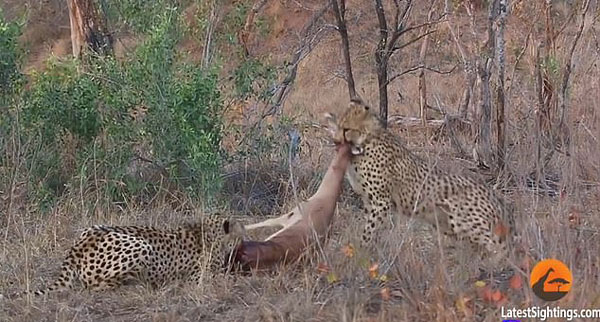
(330, 118)
(226, 226)
(331, 125)
(233, 227)
(359, 101)
(237, 228)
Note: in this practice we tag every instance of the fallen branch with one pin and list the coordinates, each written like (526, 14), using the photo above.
(409, 121)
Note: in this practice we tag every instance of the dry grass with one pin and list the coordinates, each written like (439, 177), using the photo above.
(425, 280)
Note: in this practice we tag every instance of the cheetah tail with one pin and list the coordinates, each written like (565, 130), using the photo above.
(64, 282)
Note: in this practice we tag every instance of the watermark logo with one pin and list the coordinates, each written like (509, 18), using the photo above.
(551, 280)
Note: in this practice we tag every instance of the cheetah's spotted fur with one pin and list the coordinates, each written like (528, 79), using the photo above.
(386, 174)
(104, 257)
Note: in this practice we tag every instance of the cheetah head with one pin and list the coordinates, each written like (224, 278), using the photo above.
(220, 230)
(233, 233)
(224, 235)
(355, 125)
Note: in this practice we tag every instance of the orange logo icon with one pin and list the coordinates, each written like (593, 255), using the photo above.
(551, 280)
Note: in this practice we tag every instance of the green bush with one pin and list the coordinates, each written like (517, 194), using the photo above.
(61, 98)
(11, 55)
(79, 118)
(253, 78)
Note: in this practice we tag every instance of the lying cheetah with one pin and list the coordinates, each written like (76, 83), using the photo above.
(385, 173)
(104, 257)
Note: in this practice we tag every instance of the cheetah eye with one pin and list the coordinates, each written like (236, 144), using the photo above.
(226, 226)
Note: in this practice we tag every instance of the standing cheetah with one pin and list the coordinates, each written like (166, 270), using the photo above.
(385, 173)
(104, 257)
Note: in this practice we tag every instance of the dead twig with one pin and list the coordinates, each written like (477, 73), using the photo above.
(419, 67)
(308, 41)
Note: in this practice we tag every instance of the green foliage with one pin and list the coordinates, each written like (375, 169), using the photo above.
(88, 123)
(552, 66)
(234, 21)
(140, 15)
(60, 98)
(253, 78)
(263, 26)
(11, 78)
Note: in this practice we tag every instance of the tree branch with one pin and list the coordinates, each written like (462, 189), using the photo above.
(381, 59)
(500, 88)
(422, 81)
(409, 29)
(412, 41)
(421, 66)
(339, 12)
(249, 24)
(307, 42)
(569, 66)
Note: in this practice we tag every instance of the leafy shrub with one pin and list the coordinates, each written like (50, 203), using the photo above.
(61, 98)
(90, 123)
(253, 78)
(11, 55)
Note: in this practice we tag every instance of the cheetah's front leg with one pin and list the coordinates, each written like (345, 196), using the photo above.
(377, 211)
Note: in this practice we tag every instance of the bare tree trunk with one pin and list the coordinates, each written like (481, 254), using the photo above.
(549, 27)
(387, 46)
(88, 28)
(382, 62)
(500, 95)
(548, 109)
(422, 82)
(340, 16)
(484, 69)
(208, 35)
(468, 65)
(483, 144)
(382, 80)
(539, 106)
(562, 125)
(249, 24)
(423, 89)
(471, 77)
